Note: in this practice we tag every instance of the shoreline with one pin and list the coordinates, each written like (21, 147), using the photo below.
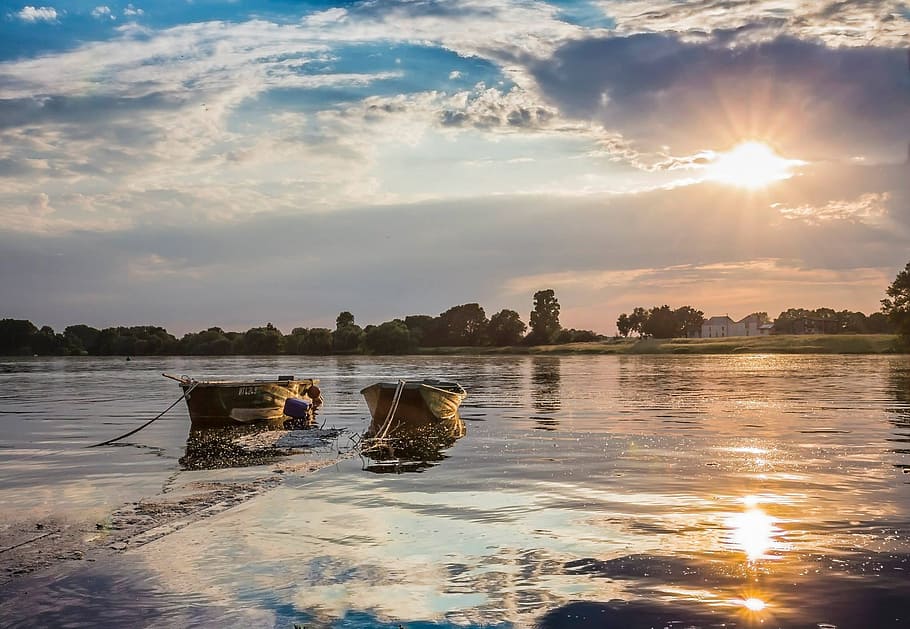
(772, 344)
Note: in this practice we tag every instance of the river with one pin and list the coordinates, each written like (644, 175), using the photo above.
(587, 491)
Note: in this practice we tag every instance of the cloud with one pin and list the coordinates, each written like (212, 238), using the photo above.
(834, 22)
(37, 14)
(130, 10)
(715, 248)
(808, 100)
(101, 12)
(868, 207)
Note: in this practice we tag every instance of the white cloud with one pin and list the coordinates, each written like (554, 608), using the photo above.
(454, 74)
(131, 10)
(103, 11)
(37, 14)
(838, 23)
(864, 209)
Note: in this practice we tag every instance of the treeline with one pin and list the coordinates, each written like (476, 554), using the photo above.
(662, 322)
(463, 325)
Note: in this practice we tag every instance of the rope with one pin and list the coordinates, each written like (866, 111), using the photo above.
(367, 445)
(34, 539)
(133, 432)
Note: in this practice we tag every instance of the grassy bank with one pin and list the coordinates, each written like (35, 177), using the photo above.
(775, 344)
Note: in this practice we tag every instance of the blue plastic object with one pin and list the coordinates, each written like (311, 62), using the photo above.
(297, 408)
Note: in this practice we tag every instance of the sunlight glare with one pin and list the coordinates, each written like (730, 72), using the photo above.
(753, 532)
(751, 165)
(754, 604)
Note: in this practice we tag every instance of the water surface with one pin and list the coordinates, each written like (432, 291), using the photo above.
(596, 491)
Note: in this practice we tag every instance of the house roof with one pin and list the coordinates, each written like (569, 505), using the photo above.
(724, 320)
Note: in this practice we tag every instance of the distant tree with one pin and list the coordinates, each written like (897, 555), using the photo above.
(391, 337)
(879, 323)
(624, 325)
(661, 323)
(465, 325)
(426, 331)
(506, 328)
(571, 335)
(315, 342)
(637, 320)
(16, 337)
(544, 318)
(787, 321)
(897, 305)
(348, 336)
(344, 318)
(853, 322)
(267, 341)
(689, 321)
(81, 338)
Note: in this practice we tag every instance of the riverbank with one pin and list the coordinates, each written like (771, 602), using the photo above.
(774, 344)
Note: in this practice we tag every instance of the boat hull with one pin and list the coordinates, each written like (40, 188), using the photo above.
(421, 401)
(212, 404)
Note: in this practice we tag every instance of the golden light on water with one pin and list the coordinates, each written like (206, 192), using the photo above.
(754, 532)
(751, 165)
(754, 604)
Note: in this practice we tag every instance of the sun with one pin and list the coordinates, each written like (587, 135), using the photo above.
(751, 165)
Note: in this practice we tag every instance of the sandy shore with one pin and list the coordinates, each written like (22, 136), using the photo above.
(28, 546)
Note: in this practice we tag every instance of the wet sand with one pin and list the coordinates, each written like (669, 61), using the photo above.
(29, 546)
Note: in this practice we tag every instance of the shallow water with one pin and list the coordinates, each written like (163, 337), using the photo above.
(595, 491)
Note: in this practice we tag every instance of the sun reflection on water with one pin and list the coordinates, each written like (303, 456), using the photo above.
(753, 531)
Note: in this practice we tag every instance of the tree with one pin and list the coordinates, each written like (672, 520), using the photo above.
(637, 320)
(897, 304)
(624, 325)
(16, 336)
(316, 341)
(544, 318)
(426, 331)
(81, 338)
(347, 336)
(344, 318)
(266, 341)
(690, 320)
(465, 325)
(661, 323)
(391, 337)
(506, 328)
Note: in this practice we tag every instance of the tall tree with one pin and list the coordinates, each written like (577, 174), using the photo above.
(637, 320)
(344, 318)
(661, 323)
(544, 318)
(624, 325)
(690, 320)
(506, 328)
(897, 304)
(465, 324)
(348, 336)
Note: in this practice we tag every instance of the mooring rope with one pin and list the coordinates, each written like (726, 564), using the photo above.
(161, 414)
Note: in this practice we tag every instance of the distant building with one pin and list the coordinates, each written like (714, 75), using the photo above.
(724, 326)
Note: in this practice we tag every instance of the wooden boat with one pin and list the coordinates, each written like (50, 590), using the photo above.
(419, 401)
(230, 402)
(413, 423)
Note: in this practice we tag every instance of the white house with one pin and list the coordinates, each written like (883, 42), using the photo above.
(753, 325)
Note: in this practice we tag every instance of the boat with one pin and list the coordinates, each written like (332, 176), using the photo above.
(231, 402)
(412, 424)
(415, 401)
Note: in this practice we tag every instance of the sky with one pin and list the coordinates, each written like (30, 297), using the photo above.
(197, 163)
